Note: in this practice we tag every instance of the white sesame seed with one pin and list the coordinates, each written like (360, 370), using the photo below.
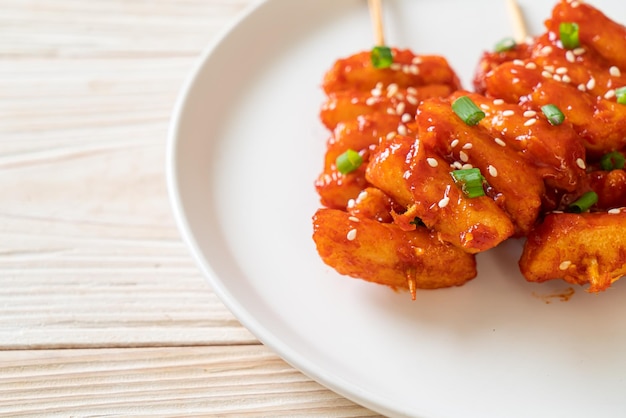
(354, 219)
(561, 70)
(546, 50)
(530, 114)
(400, 108)
(546, 74)
(399, 96)
(498, 102)
(406, 118)
(411, 99)
(515, 80)
(402, 129)
(416, 60)
(531, 66)
(468, 146)
(615, 72)
(454, 143)
(444, 202)
(457, 165)
(566, 78)
(353, 100)
(556, 77)
(376, 92)
(530, 122)
(371, 101)
(492, 171)
(351, 203)
(609, 94)
(518, 62)
(578, 51)
(432, 162)
(582, 87)
(391, 135)
(463, 156)
(467, 166)
(391, 111)
(351, 235)
(500, 142)
(565, 265)
(392, 89)
(615, 211)
(508, 112)
(395, 66)
(549, 68)
(361, 196)
(591, 84)
(484, 106)
(581, 163)
(406, 68)
(569, 56)
(414, 69)
(411, 90)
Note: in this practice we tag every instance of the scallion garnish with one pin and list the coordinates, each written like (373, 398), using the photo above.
(583, 203)
(505, 44)
(470, 181)
(568, 32)
(348, 161)
(612, 161)
(553, 113)
(620, 94)
(467, 110)
(381, 57)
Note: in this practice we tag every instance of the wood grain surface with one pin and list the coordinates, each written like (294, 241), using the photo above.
(102, 310)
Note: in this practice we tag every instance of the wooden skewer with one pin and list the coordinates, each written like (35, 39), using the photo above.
(519, 24)
(376, 13)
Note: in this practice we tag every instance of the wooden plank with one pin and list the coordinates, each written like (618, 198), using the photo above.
(90, 255)
(242, 381)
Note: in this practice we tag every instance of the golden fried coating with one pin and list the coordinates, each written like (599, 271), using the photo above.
(361, 134)
(555, 153)
(517, 185)
(385, 254)
(373, 203)
(347, 105)
(596, 31)
(419, 179)
(408, 70)
(587, 248)
(581, 81)
(600, 122)
(610, 187)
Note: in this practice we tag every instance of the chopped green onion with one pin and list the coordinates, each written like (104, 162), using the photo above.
(553, 113)
(568, 32)
(612, 161)
(583, 203)
(470, 180)
(620, 93)
(467, 110)
(348, 161)
(381, 57)
(505, 44)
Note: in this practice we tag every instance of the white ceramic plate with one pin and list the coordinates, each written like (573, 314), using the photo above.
(245, 147)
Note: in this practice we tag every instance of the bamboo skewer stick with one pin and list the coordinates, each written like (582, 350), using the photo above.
(517, 19)
(376, 13)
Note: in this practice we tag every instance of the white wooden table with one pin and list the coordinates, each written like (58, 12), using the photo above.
(102, 310)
